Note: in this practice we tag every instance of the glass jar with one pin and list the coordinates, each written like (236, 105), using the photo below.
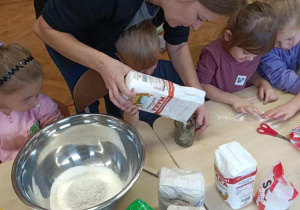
(185, 132)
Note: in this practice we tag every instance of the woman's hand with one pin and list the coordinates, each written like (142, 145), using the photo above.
(266, 92)
(113, 73)
(243, 105)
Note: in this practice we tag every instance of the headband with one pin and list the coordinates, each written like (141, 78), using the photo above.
(17, 68)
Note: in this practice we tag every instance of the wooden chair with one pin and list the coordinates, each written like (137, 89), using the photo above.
(62, 108)
(89, 88)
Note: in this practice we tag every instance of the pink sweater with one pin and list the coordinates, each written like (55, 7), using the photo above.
(218, 68)
(17, 127)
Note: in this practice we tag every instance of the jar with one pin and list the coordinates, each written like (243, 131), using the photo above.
(185, 132)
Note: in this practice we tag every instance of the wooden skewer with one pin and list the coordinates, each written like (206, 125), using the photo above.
(151, 171)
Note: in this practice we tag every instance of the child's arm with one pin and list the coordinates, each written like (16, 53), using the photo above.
(131, 115)
(286, 110)
(279, 75)
(48, 111)
(266, 92)
(239, 104)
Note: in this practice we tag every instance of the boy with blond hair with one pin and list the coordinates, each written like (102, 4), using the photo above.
(138, 47)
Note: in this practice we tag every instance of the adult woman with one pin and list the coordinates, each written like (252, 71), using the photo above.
(85, 32)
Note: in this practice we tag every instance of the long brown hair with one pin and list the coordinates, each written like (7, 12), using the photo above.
(253, 28)
(286, 11)
(138, 47)
(10, 56)
(224, 7)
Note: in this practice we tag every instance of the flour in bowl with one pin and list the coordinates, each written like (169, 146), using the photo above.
(83, 187)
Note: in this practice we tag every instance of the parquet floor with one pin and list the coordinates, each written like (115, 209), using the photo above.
(17, 18)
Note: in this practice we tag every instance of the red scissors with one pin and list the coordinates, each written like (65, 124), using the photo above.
(267, 130)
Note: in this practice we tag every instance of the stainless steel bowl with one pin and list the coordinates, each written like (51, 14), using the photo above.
(81, 140)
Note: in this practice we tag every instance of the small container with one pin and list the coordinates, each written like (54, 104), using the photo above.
(139, 204)
(185, 132)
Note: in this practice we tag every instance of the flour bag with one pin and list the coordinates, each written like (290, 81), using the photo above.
(275, 192)
(163, 97)
(175, 207)
(180, 187)
(235, 171)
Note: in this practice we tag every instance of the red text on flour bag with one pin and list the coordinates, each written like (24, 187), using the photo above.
(163, 101)
(275, 193)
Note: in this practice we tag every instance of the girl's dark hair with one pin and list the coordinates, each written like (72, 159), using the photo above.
(253, 28)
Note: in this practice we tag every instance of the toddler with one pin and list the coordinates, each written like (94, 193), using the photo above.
(139, 47)
(281, 65)
(23, 109)
(227, 64)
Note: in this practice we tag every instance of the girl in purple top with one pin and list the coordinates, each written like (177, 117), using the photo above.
(23, 109)
(281, 65)
(226, 65)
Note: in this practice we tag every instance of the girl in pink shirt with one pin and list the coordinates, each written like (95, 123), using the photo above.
(23, 109)
(227, 64)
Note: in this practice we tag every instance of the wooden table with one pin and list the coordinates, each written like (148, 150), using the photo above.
(145, 187)
(226, 126)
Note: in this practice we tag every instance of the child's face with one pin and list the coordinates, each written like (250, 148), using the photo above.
(241, 55)
(287, 38)
(23, 99)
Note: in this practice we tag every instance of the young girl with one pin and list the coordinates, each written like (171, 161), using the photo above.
(23, 109)
(227, 64)
(281, 65)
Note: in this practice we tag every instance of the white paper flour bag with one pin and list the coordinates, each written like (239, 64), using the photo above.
(235, 171)
(163, 97)
(180, 187)
(175, 207)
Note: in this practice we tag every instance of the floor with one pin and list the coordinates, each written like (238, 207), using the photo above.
(16, 23)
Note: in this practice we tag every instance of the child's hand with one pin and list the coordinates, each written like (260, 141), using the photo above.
(286, 111)
(267, 93)
(244, 105)
(131, 115)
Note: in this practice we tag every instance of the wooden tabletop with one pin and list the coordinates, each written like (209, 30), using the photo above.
(226, 126)
(145, 187)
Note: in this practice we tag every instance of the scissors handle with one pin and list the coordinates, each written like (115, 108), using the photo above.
(266, 130)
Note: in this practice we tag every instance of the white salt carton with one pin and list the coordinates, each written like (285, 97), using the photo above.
(235, 171)
(173, 207)
(180, 187)
(163, 97)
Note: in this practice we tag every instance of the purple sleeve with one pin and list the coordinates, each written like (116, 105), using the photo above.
(274, 70)
(206, 67)
(48, 112)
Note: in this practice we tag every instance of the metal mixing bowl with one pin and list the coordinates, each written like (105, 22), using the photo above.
(81, 140)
